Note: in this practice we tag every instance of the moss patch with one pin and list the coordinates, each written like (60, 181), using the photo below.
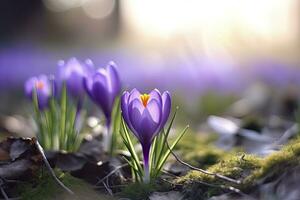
(249, 169)
(138, 191)
(199, 150)
(205, 157)
(44, 187)
(272, 166)
(235, 166)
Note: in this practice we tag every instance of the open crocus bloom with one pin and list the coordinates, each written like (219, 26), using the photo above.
(103, 86)
(43, 88)
(72, 72)
(146, 115)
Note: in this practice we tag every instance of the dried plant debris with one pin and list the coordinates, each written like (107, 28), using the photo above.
(19, 158)
(66, 161)
(94, 172)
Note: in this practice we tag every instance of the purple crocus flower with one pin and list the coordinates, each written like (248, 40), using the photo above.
(73, 72)
(43, 88)
(146, 115)
(103, 86)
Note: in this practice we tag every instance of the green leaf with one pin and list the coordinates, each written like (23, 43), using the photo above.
(63, 113)
(38, 118)
(167, 153)
(130, 145)
(163, 139)
(55, 129)
(116, 123)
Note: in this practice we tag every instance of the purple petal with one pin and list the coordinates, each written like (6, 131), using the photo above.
(124, 108)
(166, 99)
(73, 72)
(147, 127)
(135, 110)
(154, 110)
(29, 85)
(88, 85)
(155, 94)
(113, 79)
(134, 94)
(100, 95)
(74, 84)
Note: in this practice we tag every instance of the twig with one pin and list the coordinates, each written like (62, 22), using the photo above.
(212, 185)
(233, 189)
(4, 193)
(169, 173)
(113, 186)
(14, 198)
(111, 173)
(2, 190)
(108, 189)
(41, 150)
(202, 170)
(230, 188)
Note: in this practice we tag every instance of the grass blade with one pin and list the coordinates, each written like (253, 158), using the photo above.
(63, 110)
(131, 148)
(116, 123)
(167, 153)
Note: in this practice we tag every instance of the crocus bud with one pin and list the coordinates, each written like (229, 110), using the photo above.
(72, 73)
(103, 86)
(43, 88)
(145, 115)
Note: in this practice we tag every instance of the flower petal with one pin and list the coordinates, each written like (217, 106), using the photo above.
(88, 85)
(166, 99)
(29, 86)
(124, 108)
(100, 95)
(134, 94)
(135, 111)
(155, 94)
(113, 79)
(154, 109)
(147, 128)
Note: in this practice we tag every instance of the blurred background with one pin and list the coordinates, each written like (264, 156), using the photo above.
(237, 57)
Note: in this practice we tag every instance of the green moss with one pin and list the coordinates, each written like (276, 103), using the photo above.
(138, 191)
(249, 169)
(235, 166)
(44, 187)
(198, 150)
(205, 157)
(288, 156)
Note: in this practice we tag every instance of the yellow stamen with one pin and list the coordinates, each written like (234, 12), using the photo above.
(144, 99)
(39, 85)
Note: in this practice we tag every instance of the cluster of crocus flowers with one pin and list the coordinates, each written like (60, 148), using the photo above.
(146, 115)
(78, 78)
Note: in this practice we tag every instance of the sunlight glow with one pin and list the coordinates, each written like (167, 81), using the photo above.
(212, 18)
